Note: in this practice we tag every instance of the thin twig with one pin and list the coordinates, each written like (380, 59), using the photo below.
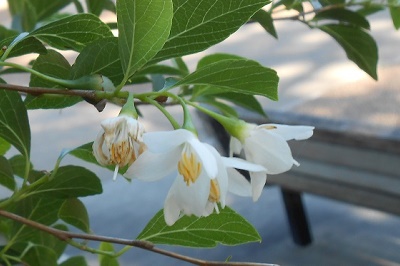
(90, 94)
(67, 236)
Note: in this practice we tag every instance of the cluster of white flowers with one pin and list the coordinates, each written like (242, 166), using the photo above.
(203, 176)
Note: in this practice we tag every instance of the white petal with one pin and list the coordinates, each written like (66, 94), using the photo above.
(191, 199)
(238, 184)
(210, 207)
(103, 157)
(235, 146)
(242, 164)
(206, 157)
(269, 150)
(258, 180)
(222, 176)
(164, 141)
(291, 132)
(171, 209)
(153, 166)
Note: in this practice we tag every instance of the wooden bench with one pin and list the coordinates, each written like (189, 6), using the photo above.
(343, 160)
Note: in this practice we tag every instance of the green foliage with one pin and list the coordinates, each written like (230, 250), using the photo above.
(143, 29)
(26, 45)
(4, 146)
(227, 228)
(343, 16)
(55, 65)
(14, 124)
(100, 57)
(265, 19)
(74, 212)
(194, 23)
(69, 182)
(395, 13)
(6, 174)
(73, 32)
(104, 259)
(26, 13)
(75, 261)
(235, 75)
(359, 46)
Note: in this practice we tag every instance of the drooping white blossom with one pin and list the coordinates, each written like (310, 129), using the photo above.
(201, 182)
(267, 145)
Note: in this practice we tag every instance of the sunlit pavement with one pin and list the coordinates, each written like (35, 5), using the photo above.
(315, 75)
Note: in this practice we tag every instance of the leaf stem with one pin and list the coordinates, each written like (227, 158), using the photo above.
(68, 236)
(170, 118)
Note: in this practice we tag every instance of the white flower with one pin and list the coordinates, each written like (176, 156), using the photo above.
(266, 145)
(201, 176)
(119, 142)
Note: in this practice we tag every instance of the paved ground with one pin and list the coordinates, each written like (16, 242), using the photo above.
(315, 76)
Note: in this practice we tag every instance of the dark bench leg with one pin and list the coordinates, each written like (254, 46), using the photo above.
(296, 217)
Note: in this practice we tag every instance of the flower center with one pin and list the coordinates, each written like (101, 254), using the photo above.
(214, 191)
(189, 167)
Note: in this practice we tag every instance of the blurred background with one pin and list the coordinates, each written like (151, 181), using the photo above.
(316, 79)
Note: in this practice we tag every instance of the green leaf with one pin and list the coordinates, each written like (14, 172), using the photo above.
(395, 13)
(29, 16)
(46, 8)
(75, 261)
(15, 6)
(40, 255)
(248, 102)
(331, 2)
(99, 57)
(236, 75)
(4, 146)
(343, 16)
(143, 27)
(213, 58)
(198, 25)
(41, 210)
(55, 65)
(73, 32)
(33, 236)
(69, 182)
(6, 174)
(161, 69)
(359, 46)
(14, 123)
(227, 228)
(107, 260)
(74, 212)
(18, 163)
(370, 9)
(26, 46)
(224, 108)
(95, 6)
(290, 4)
(265, 20)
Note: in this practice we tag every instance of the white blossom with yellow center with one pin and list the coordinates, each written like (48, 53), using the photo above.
(267, 145)
(119, 142)
(201, 176)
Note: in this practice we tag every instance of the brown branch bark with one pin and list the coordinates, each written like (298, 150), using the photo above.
(88, 94)
(65, 236)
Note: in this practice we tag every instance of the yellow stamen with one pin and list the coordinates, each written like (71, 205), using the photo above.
(269, 127)
(189, 168)
(214, 191)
